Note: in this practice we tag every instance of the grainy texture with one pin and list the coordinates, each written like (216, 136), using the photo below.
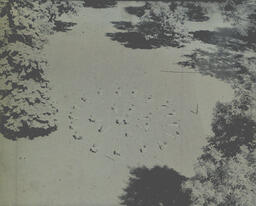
(108, 103)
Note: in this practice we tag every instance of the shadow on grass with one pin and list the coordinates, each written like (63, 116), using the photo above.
(227, 62)
(159, 186)
(100, 3)
(63, 26)
(146, 35)
(228, 38)
(138, 11)
(221, 64)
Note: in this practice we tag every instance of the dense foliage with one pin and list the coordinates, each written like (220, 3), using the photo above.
(25, 109)
(221, 181)
(160, 24)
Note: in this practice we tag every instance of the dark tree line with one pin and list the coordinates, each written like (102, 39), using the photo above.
(26, 110)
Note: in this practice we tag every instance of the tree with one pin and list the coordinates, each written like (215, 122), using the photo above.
(26, 110)
(221, 181)
(234, 126)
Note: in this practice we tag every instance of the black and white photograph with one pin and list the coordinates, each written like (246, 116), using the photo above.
(127, 103)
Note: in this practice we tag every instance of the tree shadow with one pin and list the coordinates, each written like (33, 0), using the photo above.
(228, 38)
(227, 61)
(138, 11)
(145, 35)
(123, 25)
(223, 65)
(159, 186)
(100, 3)
(61, 26)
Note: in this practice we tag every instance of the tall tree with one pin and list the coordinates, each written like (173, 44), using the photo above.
(221, 181)
(25, 109)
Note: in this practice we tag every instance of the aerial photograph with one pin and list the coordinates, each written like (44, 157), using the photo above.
(127, 103)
